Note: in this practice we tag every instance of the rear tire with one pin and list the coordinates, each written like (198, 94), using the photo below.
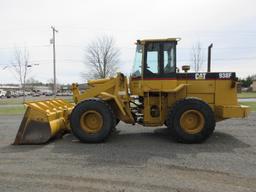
(92, 120)
(191, 121)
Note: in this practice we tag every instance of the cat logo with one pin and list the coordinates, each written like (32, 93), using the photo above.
(200, 75)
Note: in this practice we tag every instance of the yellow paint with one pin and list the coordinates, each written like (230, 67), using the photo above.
(231, 111)
(91, 122)
(201, 86)
(50, 114)
(109, 89)
(192, 121)
(219, 94)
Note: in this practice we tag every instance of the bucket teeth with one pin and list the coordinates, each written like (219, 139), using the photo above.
(43, 120)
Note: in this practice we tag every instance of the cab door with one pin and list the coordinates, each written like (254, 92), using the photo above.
(152, 67)
(159, 75)
(159, 65)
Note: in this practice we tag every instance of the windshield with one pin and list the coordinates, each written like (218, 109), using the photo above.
(136, 69)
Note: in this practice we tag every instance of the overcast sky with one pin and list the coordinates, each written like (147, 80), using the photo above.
(228, 24)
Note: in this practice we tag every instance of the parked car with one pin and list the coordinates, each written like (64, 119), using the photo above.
(2, 93)
(59, 94)
(36, 94)
(28, 93)
(69, 93)
(48, 94)
(8, 94)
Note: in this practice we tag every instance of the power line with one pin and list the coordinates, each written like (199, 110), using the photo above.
(123, 47)
(21, 47)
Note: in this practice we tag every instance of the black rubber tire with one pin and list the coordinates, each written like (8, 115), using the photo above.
(178, 109)
(102, 107)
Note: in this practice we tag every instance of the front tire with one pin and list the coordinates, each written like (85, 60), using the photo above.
(191, 121)
(92, 120)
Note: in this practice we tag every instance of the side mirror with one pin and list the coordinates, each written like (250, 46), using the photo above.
(185, 68)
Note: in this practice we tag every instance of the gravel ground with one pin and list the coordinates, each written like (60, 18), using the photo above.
(135, 159)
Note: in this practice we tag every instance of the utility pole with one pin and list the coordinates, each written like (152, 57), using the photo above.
(54, 61)
(209, 58)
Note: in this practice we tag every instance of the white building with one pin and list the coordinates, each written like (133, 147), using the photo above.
(253, 85)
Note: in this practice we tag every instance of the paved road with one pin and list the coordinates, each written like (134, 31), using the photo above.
(136, 159)
(247, 100)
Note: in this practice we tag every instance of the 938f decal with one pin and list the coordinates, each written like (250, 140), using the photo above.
(225, 75)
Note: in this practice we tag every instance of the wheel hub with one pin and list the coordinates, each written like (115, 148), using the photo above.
(192, 121)
(91, 121)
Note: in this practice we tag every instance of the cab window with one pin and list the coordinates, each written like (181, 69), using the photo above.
(169, 58)
(152, 58)
(136, 69)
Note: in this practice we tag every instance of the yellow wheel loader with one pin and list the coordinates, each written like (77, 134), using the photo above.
(155, 94)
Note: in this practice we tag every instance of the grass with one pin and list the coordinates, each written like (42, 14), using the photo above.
(247, 95)
(11, 101)
(16, 101)
(12, 110)
(14, 106)
(250, 104)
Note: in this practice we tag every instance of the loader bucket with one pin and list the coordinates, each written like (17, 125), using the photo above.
(43, 120)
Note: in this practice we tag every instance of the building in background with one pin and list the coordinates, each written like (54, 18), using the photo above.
(10, 87)
(253, 85)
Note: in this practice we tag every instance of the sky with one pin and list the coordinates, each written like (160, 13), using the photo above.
(228, 24)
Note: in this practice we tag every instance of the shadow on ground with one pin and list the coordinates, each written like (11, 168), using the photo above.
(133, 148)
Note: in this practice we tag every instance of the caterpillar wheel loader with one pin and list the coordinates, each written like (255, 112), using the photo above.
(155, 94)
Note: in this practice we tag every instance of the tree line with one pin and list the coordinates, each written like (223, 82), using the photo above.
(247, 81)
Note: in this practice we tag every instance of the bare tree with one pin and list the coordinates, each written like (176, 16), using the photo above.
(101, 58)
(21, 67)
(197, 56)
(31, 83)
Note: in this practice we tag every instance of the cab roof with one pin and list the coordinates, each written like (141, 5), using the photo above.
(159, 40)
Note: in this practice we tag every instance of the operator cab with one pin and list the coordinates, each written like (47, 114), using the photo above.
(155, 58)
